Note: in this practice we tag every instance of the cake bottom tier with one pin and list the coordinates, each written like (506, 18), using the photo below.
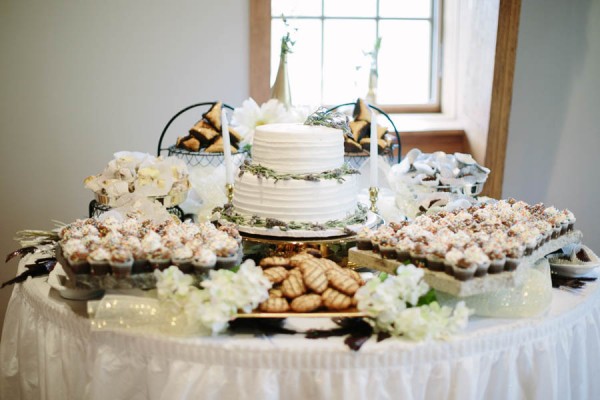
(296, 200)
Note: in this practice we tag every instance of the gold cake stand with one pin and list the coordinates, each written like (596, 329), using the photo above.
(335, 248)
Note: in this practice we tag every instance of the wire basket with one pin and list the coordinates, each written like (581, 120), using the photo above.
(392, 154)
(204, 159)
(356, 160)
(194, 158)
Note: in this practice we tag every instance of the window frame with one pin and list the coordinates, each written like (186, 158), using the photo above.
(494, 139)
(260, 57)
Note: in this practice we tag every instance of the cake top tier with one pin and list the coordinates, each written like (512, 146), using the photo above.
(298, 148)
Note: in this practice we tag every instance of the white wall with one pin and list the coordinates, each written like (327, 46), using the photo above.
(554, 132)
(80, 80)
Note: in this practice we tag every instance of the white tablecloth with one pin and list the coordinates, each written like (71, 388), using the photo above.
(48, 351)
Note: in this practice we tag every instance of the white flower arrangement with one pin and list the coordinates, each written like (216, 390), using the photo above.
(250, 115)
(219, 300)
(392, 305)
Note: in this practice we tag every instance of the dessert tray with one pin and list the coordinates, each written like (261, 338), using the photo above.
(170, 200)
(574, 261)
(350, 230)
(349, 313)
(477, 285)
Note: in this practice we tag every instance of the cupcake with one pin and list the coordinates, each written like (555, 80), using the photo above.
(204, 260)
(363, 239)
(76, 255)
(570, 220)
(387, 246)
(462, 268)
(514, 253)
(403, 248)
(474, 255)
(452, 258)
(436, 252)
(232, 232)
(418, 254)
(496, 256)
(99, 260)
(121, 263)
(227, 252)
(182, 258)
(140, 263)
(158, 256)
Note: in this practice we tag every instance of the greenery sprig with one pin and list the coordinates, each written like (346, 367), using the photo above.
(331, 119)
(229, 214)
(263, 172)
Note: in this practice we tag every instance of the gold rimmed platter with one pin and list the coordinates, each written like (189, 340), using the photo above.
(349, 313)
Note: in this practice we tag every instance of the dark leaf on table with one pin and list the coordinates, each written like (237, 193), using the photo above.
(20, 252)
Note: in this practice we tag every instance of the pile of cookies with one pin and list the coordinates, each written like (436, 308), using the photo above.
(206, 135)
(304, 283)
(360, 140)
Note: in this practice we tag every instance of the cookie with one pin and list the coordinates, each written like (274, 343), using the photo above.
(274, 304)
(293, 287)
(342, 282)
(314, 278)
(334, 300)
(354, 275)
(276, 274)
(311, 263)
(296, 259)
(274, 262)
(306, 303)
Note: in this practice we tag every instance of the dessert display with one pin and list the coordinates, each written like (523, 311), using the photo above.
(439, 170)
(297, 180)
(132, 174)
(130, 246)
(476, 242)
(358, 140)
(427, 183)
(574, 261)
(207, 134)
(303, 283)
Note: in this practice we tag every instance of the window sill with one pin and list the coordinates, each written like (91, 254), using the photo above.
(430, 133)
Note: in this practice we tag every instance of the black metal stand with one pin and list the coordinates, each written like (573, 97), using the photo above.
(356, 160)
(95, 209)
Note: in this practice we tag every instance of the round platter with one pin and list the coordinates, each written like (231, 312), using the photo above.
(169, 200)
(372, 220)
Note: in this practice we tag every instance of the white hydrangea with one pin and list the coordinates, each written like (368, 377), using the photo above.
(391, 306)
(222, 296)
(173, 287)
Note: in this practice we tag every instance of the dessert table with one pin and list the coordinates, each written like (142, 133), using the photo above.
(49, 351)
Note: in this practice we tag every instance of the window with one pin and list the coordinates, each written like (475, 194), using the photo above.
(334, 39)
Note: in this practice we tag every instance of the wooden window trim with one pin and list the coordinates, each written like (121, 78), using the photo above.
(505, 57)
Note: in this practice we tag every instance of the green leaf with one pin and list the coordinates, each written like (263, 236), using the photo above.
(428, 298)
(383, 276)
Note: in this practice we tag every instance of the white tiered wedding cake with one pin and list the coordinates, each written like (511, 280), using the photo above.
(297, 174)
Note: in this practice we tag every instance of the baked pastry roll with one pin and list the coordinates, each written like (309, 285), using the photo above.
(217, 147)
(361, 111)
(213, 115)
